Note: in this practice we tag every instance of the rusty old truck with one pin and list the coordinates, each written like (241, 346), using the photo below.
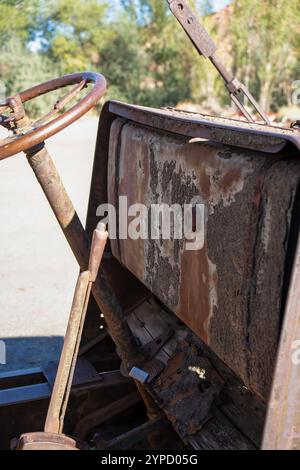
(168, 346)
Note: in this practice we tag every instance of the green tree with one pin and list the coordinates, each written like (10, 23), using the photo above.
(168, 59)
(75, 30)
(17, 18)
(21, 69)
(123, 61)
(264, 45)
(144, 53)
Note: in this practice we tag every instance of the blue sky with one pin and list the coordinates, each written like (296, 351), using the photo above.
(220, 4)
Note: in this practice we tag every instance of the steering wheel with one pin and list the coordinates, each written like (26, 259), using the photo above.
(28, 134)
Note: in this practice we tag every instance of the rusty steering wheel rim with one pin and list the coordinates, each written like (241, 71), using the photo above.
(34, 136)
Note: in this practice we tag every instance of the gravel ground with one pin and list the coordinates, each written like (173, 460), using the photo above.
(38, 271)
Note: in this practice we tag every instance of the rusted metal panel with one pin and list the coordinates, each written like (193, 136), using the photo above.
(270, 139)
(129, 291)
(229, 292)
(282, 430)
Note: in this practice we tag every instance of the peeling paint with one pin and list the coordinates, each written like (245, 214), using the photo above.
(221, 292)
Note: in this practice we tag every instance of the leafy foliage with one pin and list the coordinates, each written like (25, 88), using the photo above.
(145, 55)
(265, 50)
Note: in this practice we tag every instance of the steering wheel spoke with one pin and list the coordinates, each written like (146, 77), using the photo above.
(28, 134)
(61, 103)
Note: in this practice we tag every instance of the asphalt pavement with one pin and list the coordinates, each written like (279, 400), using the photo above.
(37, 269)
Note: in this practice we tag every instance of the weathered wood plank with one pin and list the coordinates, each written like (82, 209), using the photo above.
(238, 406)
(139, 329)
(220, 434)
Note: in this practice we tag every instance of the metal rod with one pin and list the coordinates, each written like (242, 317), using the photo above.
(153, 411)
(207, 48)
(66, 368)
(64, 376)
(50, 181)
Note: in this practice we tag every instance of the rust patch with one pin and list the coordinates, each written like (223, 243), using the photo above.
(188, 383)
(222, 292)
(155, 168)
(222, 131)
(201, 272)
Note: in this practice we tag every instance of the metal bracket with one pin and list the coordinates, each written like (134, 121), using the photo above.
(295, 125)
(152, 367)
(151, 349)
(206, 47)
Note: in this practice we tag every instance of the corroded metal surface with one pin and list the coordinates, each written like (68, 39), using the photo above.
(229, 292)
(232, 132)
(129, 291)
(35, 133)
(65, 371)
(282, 430)
(188, 389)
(206, 47)
(48, 441)
(66, 368)
(50, 181)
